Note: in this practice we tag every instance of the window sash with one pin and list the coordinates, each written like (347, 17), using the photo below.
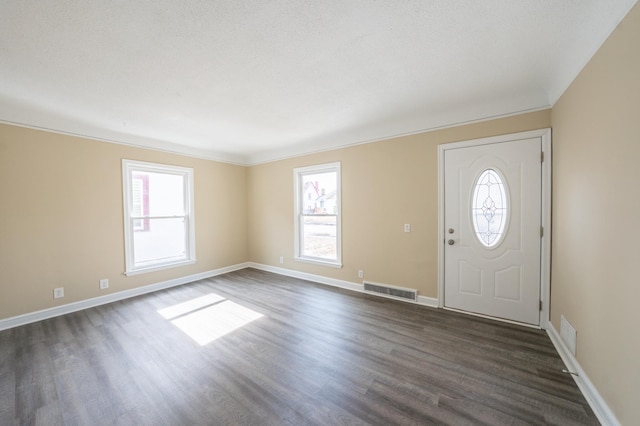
(143, 228)
(322, 242)
(313, 244)
(163, 254)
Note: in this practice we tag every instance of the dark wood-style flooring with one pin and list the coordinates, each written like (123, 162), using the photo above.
(316, 356)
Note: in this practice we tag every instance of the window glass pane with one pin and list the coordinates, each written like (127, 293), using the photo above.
(163, 241)
(489, 209)
(319, 193)
(139, 194)
(157, 194)
(140, 200)
(319, 237)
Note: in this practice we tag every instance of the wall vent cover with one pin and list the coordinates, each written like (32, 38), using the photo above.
(391, 291)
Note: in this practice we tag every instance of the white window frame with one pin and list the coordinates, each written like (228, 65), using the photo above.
(128, 169)
(298, 197)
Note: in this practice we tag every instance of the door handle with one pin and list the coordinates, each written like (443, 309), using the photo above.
(451, 242)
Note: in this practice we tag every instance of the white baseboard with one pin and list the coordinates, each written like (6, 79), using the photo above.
(113, 297)
(306, 276)
(597, 404)
(30, 317)
(428, 301)
(422, 300)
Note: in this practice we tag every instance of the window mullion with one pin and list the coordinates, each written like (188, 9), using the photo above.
(159, 217)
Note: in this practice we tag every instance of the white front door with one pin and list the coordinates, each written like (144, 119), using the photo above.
(492, 229)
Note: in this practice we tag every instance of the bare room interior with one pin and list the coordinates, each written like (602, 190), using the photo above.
(236, 212)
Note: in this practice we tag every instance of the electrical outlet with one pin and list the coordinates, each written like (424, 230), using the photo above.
(281, 259)
(407, 227)
(104, 283)
(360, 273)
(58, 292)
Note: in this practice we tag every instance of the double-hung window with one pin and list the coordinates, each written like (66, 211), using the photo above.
(158, 216)
(317, 212)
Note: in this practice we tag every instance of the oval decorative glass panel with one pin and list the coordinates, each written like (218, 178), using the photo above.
(489, 208)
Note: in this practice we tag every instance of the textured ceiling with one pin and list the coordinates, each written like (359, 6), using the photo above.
(248, 81)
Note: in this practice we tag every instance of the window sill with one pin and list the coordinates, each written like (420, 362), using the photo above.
(159, 267)
(319, 262)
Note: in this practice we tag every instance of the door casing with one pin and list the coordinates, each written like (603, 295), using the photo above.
(545, 255)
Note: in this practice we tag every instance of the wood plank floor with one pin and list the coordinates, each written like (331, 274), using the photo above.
(316, 355)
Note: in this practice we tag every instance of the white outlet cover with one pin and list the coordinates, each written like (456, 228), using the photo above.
(104, 283)
(58, 292)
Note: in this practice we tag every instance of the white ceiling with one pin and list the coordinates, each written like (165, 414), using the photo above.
(249, 81)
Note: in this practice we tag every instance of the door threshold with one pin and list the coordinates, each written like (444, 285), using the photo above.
(475, 314)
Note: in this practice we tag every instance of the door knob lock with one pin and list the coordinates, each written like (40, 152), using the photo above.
(451, 242)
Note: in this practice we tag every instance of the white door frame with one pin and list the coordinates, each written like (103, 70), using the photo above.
(545, 248)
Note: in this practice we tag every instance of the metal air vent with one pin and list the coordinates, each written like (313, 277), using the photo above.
(391, 291)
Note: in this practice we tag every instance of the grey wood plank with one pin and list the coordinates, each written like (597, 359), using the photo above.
(317, 356)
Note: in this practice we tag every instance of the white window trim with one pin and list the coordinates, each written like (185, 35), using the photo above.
(128, 167)
(298, 207)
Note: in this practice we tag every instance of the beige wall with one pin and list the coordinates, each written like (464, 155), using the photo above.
(596, 213)
(61, 214)
(384, 185)
(61, 221)
(62, 226)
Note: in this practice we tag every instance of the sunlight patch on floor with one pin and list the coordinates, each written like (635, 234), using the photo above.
(209, 317)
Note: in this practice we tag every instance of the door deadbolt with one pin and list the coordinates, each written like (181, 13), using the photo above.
(451, 230)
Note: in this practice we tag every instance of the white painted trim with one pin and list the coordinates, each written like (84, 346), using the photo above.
(545, 255)
(298, 173)
(129, 167)
(309, 277)
(141, 142)
(113, 297)
(428, 301)
(248, 160)
(545, 248)
(318, 262)
(68, 308)
(441, 234)
(159, 268)
(348, 285)
(530, 134)
(597, 404)
(591, 394)
(452, 122)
